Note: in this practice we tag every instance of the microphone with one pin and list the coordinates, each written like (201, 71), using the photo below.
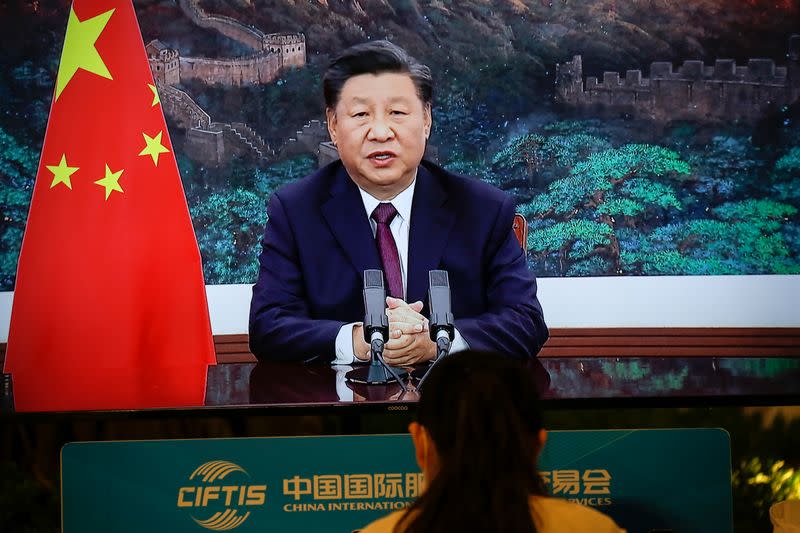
(441, 325)
(376, 334)
(441, 321)
(376, 323)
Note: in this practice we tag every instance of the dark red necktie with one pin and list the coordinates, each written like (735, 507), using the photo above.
(383, 215)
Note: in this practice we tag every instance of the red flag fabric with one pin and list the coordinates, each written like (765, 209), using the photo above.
(109, 307)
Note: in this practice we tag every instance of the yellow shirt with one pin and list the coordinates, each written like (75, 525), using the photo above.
(551, 515)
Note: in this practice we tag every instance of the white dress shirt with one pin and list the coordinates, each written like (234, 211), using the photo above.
(400, 227)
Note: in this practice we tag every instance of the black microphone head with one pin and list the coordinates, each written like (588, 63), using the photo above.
(374, 279)
(441, 316)
(438, 278)
(375, 319)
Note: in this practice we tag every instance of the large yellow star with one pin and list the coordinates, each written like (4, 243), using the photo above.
(79, 50)
(62, 172)
(156, 99)
(111, 181)
(153, 147)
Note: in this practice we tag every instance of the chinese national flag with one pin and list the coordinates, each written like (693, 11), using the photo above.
(109, 307)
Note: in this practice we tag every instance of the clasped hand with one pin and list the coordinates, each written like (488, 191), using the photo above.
(409, 340)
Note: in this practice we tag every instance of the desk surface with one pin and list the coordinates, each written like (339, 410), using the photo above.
(564, 382)
(674, 381)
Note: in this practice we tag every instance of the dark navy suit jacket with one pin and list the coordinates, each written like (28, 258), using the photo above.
(318, 242)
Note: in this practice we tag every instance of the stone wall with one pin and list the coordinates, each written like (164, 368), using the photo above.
(259, 68)
(306, 140)
(290, 47)
(249, 136)
(212, 143)
(231, 28)
(206, 146)
(327, 153)
(217, 143)
(722, 91)
(181, 108)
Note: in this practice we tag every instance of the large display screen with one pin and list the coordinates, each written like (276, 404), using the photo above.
(652, 146)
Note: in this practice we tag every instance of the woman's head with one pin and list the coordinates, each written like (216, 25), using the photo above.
(478, 434)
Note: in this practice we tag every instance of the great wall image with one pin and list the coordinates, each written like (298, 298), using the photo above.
(215, 143)
(693, 91)
(723, 91)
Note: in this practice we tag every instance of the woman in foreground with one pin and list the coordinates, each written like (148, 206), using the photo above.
(477, 441)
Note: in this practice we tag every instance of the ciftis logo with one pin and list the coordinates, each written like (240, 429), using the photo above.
(221, 496)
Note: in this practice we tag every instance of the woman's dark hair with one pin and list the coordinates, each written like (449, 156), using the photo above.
(375, 57)
(481, 411)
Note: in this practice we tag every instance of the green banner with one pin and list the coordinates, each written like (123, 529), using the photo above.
(645, 479)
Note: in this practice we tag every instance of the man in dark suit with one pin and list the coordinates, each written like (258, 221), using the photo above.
(382, 207)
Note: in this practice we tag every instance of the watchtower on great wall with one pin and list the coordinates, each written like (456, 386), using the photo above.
(164, 63)
(695, 91)
(290, 46)
(212, 142)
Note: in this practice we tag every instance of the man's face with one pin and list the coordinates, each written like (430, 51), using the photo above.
(380, 126)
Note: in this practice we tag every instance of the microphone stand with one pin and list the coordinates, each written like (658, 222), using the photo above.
(442, 351)
(376, 354)
(378, 372)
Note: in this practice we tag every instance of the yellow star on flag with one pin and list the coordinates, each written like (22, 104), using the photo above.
(153, 147)
(111, 181)
(156, 99)
(79, 50)
(62, 172)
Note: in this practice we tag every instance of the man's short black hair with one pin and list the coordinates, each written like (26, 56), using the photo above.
(375, 57)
